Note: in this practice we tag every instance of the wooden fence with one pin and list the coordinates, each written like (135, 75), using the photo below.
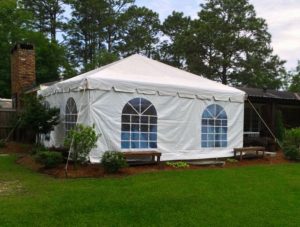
(7, 118)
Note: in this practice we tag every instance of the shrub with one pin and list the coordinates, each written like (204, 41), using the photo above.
(291, 143)
(113, 161)
(37, 148)
(81, 140)
(291, 151)
(2, 143)
(178, 164)
(49, 159)
(231, 160)
(36, 117)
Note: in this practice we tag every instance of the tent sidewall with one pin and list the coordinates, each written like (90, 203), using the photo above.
(178, 124)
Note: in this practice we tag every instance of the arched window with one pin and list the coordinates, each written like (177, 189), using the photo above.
(46, 105)
(214, 127)
(70, 115)
(139, 125)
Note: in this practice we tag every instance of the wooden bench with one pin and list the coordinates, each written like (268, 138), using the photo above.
(142, 154)
(248, 150)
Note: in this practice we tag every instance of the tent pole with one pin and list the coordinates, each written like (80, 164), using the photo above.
(69, 153)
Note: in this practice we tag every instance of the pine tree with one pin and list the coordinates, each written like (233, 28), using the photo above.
(93, 31)
(229, 43)
(48, 15)
(139, 31)
(170, 49)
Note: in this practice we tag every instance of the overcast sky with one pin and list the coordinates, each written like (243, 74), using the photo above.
(282, 16)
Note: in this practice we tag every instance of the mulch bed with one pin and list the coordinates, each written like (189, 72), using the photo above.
(15, 148)
(96, 170)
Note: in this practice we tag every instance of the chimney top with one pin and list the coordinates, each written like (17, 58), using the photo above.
(24, 46)
(22, 70)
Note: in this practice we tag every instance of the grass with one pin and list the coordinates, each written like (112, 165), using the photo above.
(248, 196)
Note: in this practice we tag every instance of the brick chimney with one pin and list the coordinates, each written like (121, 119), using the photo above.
(22, 71)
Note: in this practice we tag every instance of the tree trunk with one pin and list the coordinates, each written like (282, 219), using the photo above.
(224, 75)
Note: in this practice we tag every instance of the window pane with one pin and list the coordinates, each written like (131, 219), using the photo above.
(125, 127)
(145, 119)
(211, 144)
(224, 143)
(211, 137)
(222, 115)
(145, 128)
(224, 130)
(153, 136)
(125, 144)
(125, 119)
(150, 111)
(135, 136)
(135, 119)
(135, 144)
(153, 145)
(135, 103)
(144, 145)
(153, 128)
(135, 128)
(211, 129)
(219, 110)
(129, 110)
(144, 137)
(206, 114)
(146, 105)
(125, 136)
(153, 120)
(224, 137)
(204, 137)
(212, 110)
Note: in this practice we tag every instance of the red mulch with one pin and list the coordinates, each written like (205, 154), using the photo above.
(16, 148)
(278, 159)
(96, 170)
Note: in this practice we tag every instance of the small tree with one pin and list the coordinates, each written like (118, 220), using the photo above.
(291, 143)
(113, 161)
(81, 140)
(37, 118)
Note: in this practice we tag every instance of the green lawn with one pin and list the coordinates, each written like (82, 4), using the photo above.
(248, 196)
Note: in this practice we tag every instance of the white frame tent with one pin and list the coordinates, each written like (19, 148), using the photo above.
(188, 116)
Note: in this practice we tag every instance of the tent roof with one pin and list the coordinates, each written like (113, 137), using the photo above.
(139, 72)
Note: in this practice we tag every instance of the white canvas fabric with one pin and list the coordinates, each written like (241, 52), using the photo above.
(180, 99)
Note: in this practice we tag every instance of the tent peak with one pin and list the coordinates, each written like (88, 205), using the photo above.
(141, 72)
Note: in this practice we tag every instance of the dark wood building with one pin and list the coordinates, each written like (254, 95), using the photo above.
(270, 104)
